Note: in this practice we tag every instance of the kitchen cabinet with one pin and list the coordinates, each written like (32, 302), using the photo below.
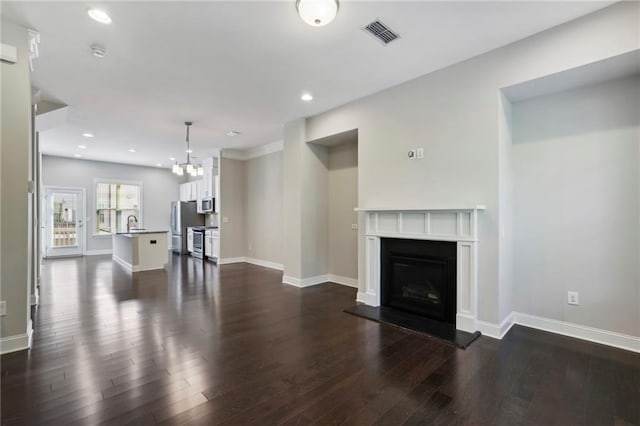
(190, 240)
(189, 191)
(208, 189)
(212, 243)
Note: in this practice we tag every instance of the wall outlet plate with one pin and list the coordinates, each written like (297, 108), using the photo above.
(573, 298)
(419, 153)
(3, 308)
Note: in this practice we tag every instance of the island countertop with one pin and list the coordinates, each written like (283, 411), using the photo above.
(142, 231)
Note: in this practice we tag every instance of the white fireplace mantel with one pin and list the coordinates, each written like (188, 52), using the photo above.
(457, 224)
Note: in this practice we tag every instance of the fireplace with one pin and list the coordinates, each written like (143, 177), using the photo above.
(419, 276)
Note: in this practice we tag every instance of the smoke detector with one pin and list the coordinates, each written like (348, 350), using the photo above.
(98, 51)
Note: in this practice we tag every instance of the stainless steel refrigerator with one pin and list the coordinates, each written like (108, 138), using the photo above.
(183, 215)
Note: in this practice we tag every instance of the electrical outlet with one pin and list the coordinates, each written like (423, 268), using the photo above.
(3, 308)
(572, 298)
(354, 226)
(411, 154)
(419, 153)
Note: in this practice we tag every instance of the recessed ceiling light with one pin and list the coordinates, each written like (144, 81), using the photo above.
(132, 150)
(233, 133)
(306, 97)
(77, 155)
(188, 151)
(87, 135)
(100, 16)
(82, 146)
(172, 159)
(158, 164)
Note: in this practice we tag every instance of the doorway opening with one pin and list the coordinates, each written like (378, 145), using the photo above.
(64, 231)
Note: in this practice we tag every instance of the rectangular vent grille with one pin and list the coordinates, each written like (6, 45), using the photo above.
(381, 32)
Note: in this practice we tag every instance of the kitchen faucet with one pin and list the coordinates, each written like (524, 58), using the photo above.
(129, 222)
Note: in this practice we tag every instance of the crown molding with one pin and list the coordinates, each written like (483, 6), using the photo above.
(248, 154)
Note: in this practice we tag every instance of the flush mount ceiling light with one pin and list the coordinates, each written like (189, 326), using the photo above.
(317, 12)
(306, 97)
(82, 146)
(87, 135)
(188, 167)
(233, 133)
(77, 155)
(100, 16)
(132, 150)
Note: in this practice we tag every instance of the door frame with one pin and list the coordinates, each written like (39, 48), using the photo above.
(45, 210)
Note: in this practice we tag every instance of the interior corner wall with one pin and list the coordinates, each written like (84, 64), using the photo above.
(453, 114)
(576, 198)
(232, 208)
(159, 188)
(15, 166)
(505, 213)
(294, 136)
(263, 218)
(343, 199)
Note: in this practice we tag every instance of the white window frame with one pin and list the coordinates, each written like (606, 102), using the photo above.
(94, 215)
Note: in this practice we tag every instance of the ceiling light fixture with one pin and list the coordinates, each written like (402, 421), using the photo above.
(233, 133)
(77, 155)
(158, 164)
(82, 146)
(317, 13)
(188, 167)
(100, 16)
(306, 97)
(87, 135)
(132, 150)
(172, 159)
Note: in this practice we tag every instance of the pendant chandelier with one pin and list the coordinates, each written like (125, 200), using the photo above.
(188, 167)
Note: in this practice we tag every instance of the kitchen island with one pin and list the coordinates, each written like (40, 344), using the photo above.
(141, 249)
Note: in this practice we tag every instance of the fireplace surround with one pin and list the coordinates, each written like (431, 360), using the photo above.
(457, 225)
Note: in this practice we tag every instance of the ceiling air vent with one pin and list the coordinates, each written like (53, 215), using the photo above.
(380, 31)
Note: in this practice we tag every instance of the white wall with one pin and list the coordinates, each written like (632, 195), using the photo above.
(263, 204)
(577, 215)
(453, 113)
(159, 188)
(15, 211)
(343, 198)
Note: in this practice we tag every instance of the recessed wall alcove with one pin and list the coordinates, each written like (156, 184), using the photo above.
(570, 192)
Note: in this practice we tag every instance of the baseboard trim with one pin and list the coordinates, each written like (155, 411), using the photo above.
(305, 282)
(367, 299)
(123, 263)
(229, 260)
(18, 342)
(349, 282)
(596, 335)
(265, 263)
(98, 252)
(497, 331)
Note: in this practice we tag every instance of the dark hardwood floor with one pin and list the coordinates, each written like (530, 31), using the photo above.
(232, 345)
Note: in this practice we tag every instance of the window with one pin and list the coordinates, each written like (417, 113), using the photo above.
(115, 202)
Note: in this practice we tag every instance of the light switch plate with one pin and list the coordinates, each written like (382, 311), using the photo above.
(572, 298)
(225, 219)
(354, 226)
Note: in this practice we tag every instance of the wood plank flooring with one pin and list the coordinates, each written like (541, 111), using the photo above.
(233, 346)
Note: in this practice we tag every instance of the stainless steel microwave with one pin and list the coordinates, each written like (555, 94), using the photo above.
(207, 205)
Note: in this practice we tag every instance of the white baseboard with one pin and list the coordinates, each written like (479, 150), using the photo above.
(367, 299)
(305, 282)
(350, 282)
(265, 263)
(18, 342)
(596, 335)
(98, 252)
(124, 263)
(497, 331)
(229, 260)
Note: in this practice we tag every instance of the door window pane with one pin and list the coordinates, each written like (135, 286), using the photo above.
(64, 211)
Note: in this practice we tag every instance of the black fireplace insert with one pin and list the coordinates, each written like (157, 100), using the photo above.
(419, 276)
